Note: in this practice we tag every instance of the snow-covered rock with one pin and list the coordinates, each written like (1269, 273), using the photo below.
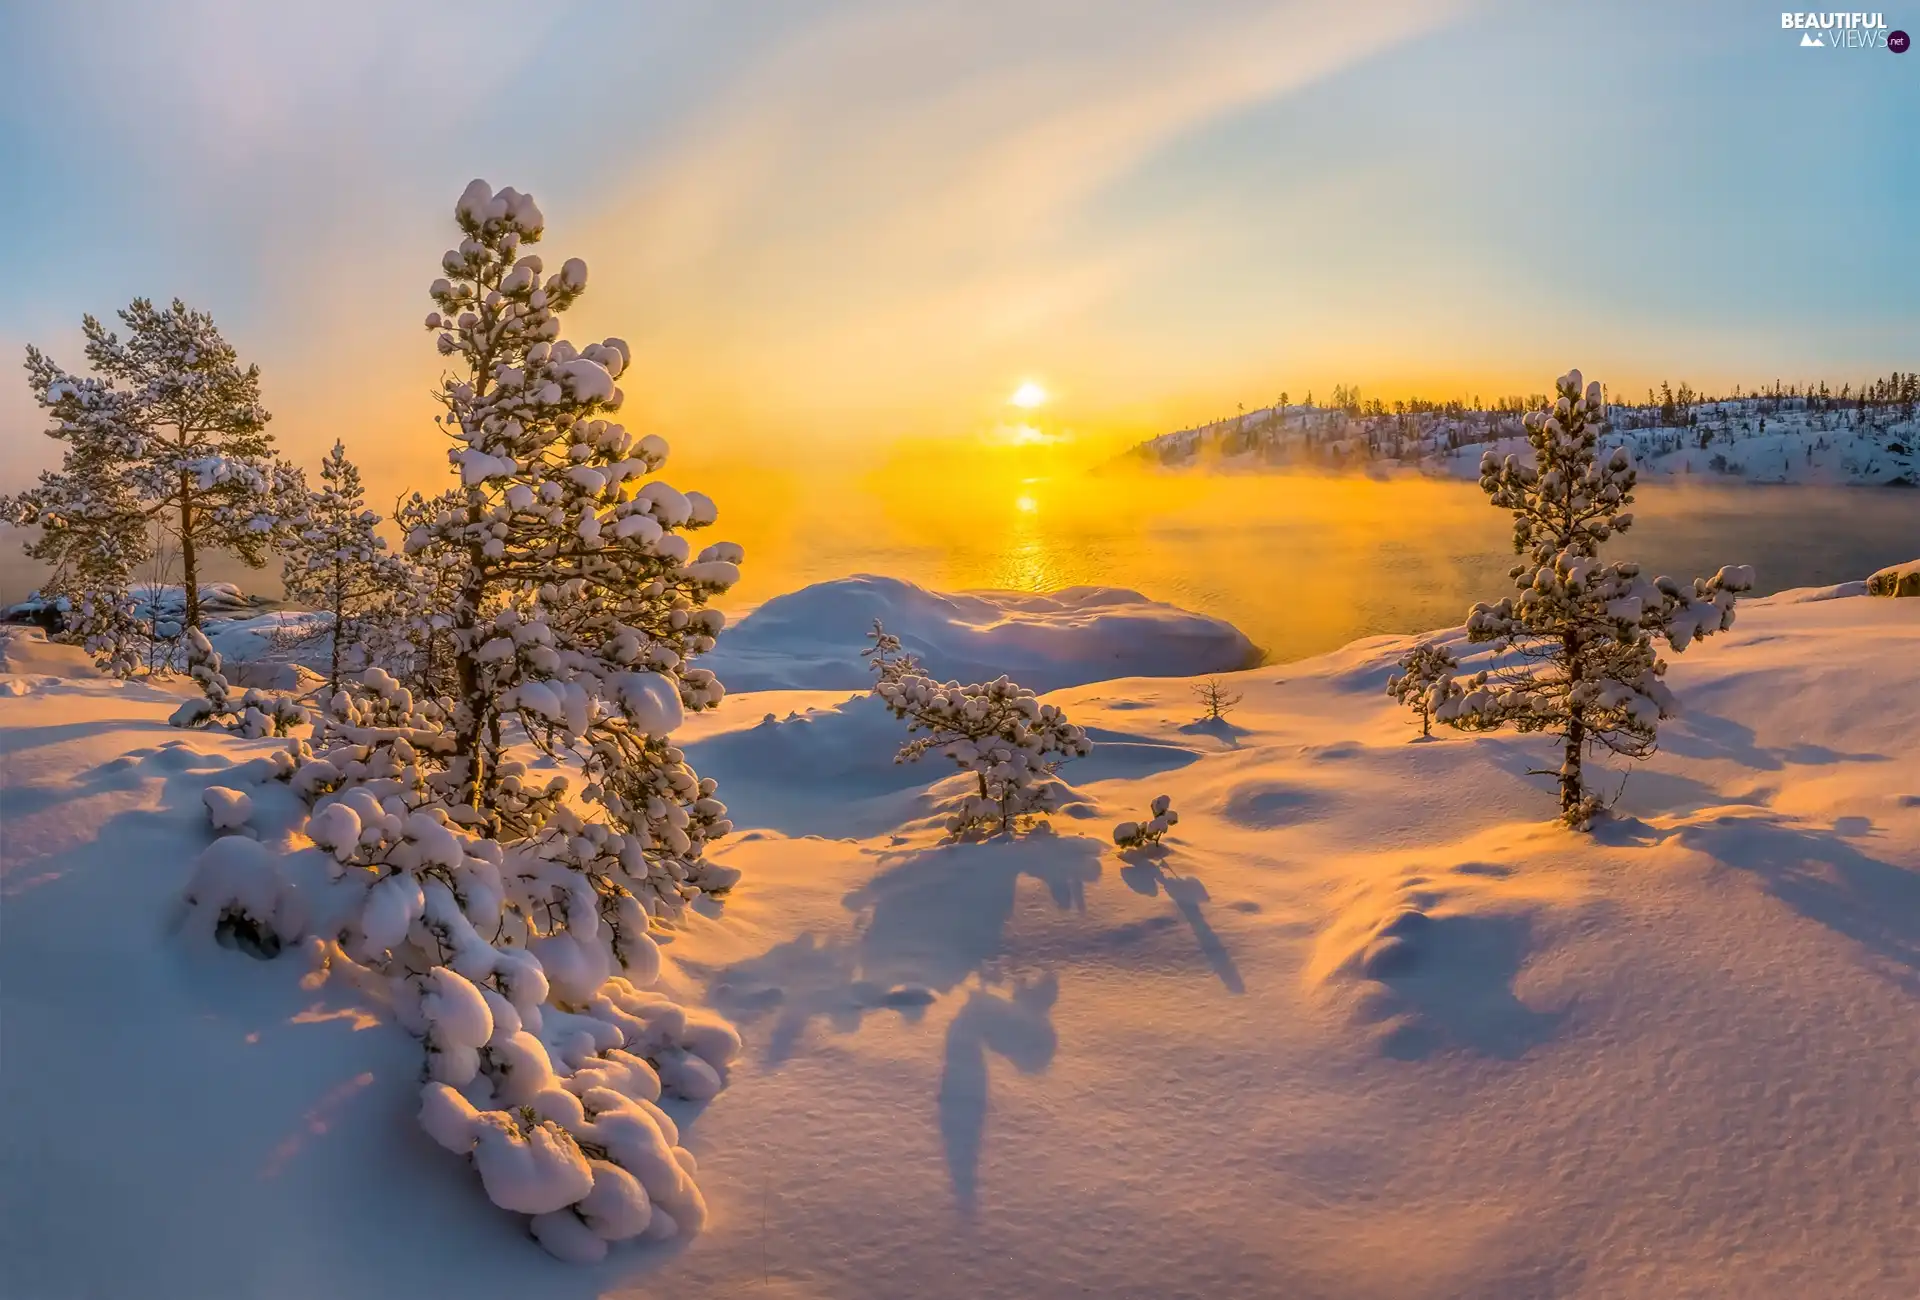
(811, 639)
(268, 675)
(1896, 580)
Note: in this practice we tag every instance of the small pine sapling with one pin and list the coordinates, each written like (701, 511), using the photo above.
(997, 730)
(335, 561)
(1216, 700)
(1425, 681)
(885, 656)
(1160, 819)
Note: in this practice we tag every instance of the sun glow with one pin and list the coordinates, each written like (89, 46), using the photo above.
(1027, 396)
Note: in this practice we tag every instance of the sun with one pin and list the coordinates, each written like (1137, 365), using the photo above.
(1028, 395)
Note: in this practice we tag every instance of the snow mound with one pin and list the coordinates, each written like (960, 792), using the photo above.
(1426, 960)
(1811, 595)
(811, 639)
(25, 650)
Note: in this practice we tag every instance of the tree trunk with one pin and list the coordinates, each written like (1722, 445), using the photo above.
(469, 710)
(189, 563)
(1572, 785)
(339, 618)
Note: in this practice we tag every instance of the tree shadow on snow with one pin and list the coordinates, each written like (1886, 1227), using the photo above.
(1704, 735)
(1144, 874)
(1826, 879)
(1018, 1028)
(941, 915)
(1120, 754)
(806, 979)
(933, 923)
(1218, 728)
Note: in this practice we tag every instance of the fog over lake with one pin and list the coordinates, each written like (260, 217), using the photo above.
(1301, 563)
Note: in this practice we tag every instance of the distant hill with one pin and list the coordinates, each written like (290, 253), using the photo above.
(1766, 439)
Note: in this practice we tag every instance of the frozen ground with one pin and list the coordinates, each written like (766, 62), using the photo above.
(1369, 1026)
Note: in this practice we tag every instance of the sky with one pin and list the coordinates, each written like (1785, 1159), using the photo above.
(831, 230)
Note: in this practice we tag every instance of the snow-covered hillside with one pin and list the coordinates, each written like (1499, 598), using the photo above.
(1370, 1025)
(1751, 440)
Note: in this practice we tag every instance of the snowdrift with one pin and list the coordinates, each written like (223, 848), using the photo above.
(811, 639)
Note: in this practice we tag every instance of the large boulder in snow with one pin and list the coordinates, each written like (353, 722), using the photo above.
(811, 639)
(1896, 580)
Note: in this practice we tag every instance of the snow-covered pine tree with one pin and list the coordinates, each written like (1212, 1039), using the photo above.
(506, 926)
(1580, 635)
(1425, 681)
(93, 533)
(997, 730)
(578, 606)
(335, 560)
(418, 645)
(173, 419)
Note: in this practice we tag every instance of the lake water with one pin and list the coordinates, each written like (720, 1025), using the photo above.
(1301, 563)
(1305, 564)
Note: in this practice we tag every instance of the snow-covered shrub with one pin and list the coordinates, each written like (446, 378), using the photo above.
(105, 623)
(545, 1052)
(1580, 637)
(417, 643)
(250, 713)
(241, 896)
(169, 428)
(1425, 681)
(576, 1140)
(227, 809)
(1160, 819)
(997, 730)
(336, 562)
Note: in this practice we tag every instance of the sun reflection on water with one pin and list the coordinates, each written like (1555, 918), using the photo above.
(1301, 562)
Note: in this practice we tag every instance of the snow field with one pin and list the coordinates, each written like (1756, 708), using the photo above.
(1365, 1024)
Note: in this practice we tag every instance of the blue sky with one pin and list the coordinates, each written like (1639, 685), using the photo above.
(825, 226)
